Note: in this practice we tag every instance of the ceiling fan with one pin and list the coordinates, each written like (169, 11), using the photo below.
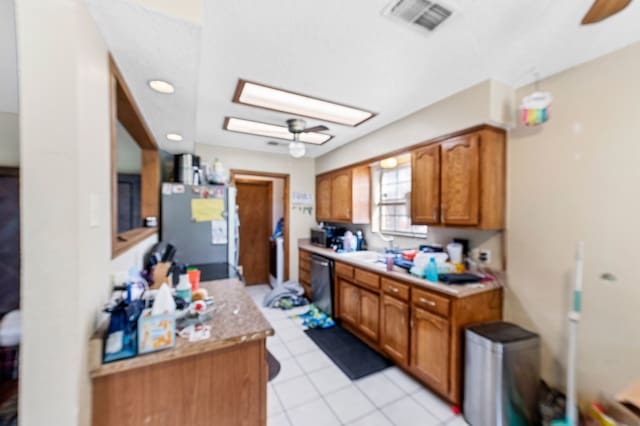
(297, 126)
(602, 9)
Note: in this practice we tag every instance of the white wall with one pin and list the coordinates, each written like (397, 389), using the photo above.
(134, 256)
(302, 179)
(9, 139)
(64, 130)
(576, 178)
(488, 102)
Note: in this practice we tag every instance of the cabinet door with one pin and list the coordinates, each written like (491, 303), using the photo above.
(394, 333)
(460, 177)
(349, 302)
(430, 349)
(369, 314)
(341, 196)
(425, 185)
(323, 198)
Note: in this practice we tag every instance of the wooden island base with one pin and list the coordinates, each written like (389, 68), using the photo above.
(224, 387)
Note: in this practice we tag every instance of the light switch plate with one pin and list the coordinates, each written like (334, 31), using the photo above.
(484, 256)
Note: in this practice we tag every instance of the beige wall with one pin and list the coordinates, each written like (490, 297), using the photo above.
(64, 130)
(576, 178)
(302, 179)
(479, 104)
(9, 139)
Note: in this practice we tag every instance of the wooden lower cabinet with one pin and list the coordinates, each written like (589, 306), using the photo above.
(304, 272)
(349, 302)
(369, 314)
(430, 349)
(394, 329)
(422, 330)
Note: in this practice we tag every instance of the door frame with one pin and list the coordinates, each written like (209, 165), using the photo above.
(286, 200)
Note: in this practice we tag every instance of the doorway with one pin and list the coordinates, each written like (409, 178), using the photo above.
(260, 266)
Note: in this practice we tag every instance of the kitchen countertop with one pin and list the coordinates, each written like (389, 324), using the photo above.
(238, 321)
(401, 275)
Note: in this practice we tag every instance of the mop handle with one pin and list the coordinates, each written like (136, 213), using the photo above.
(574, 318)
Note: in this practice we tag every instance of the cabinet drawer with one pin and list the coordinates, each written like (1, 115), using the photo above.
(305, 258)
(343, 270)
(304, 276)
(370, 279)
(430, 301)
(394, 288)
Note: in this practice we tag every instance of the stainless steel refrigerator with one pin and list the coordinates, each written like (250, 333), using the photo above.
(201, 222)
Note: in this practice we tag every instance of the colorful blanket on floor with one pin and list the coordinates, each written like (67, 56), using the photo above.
(315, 318)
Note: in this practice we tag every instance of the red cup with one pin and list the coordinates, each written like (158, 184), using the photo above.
(194, 278)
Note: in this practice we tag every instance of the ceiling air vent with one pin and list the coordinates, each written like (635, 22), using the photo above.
(423, 15)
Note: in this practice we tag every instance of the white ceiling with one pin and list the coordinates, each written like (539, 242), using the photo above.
(339, 50)
(8, 58)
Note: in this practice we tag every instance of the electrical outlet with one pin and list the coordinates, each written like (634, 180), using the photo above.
(484, 256)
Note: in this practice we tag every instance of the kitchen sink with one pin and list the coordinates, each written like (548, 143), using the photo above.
(365, 256)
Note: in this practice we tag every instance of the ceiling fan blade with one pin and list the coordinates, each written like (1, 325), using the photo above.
(315, 129)
(602, 9)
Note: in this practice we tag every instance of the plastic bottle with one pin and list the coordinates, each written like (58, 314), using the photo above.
(432, 271)
(183, 290)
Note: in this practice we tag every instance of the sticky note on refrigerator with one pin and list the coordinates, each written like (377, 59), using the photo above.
(207, 209)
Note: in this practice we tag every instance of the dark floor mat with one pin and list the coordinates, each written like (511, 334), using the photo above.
(353, 357)
(273, 366)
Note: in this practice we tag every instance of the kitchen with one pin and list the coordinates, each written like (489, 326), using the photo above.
(566, 180)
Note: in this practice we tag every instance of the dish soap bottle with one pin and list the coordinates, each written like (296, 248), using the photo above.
(432, 271)
(183, 290)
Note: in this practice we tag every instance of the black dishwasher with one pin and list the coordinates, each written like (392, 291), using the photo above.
(322, 283)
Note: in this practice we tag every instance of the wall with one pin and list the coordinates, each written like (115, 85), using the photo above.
(488, 102)
(302, 179)
(65, 215)
(134, 256)
(576, 178)
(9, 139)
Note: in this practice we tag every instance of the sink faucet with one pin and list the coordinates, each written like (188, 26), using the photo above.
(386, 240)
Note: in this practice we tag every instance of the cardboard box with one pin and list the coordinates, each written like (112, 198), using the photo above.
(156, 332)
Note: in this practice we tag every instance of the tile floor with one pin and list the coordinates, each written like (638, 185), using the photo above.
(310, 390)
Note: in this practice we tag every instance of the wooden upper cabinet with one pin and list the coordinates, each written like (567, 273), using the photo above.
(425, 184)
(344, 196)
(341, 196)
(460, 181)
(430, 349)
(323, 198)
(460, 202)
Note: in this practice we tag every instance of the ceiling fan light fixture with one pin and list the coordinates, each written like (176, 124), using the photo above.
(257, 128)
(297, 149)
(261, 96)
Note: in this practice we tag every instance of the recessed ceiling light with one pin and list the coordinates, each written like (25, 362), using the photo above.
(259, 95)
(174, 137)
(389, 163)
(271, 131)
(161, 86)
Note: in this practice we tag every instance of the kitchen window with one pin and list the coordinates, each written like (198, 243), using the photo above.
(392, 197)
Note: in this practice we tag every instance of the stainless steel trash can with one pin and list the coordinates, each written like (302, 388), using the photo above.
(502, 375)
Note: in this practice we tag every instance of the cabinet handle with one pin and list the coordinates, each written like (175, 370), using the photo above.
(428, 302)
(442, 214)
(347, 211)
(435, 214)
(393, 289)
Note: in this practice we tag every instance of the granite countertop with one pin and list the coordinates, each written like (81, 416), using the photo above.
(238, 321)
(400, 274)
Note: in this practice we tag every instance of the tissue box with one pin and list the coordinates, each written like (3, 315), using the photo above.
(156, 332)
